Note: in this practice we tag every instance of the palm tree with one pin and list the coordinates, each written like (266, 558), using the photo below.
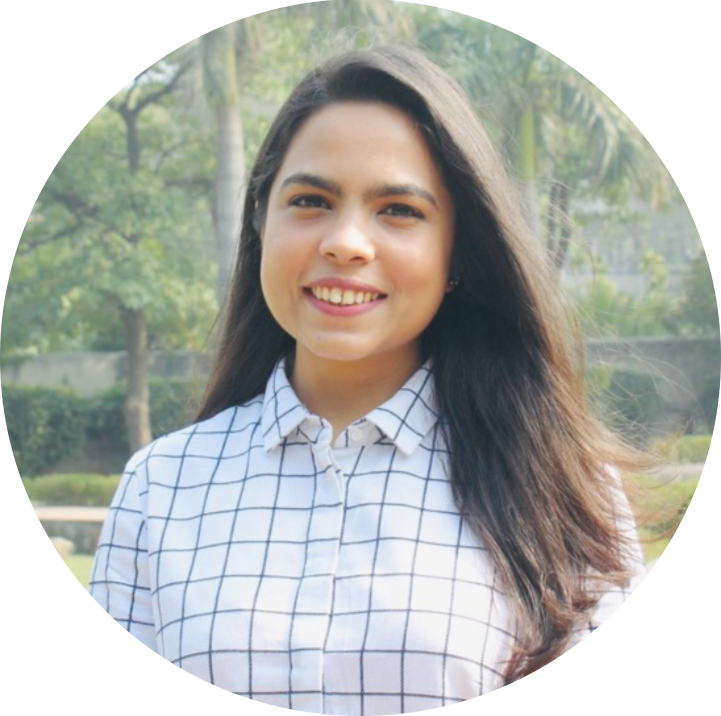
(390, 16)
(220, 75)
(224, 52)
(557, 128)
(589, 144)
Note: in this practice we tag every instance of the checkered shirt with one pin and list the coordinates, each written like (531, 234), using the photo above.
(329, 577)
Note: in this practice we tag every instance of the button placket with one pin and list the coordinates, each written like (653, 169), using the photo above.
(316, 589)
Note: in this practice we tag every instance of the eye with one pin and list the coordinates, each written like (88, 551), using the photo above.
(309, 201)
(403, 211)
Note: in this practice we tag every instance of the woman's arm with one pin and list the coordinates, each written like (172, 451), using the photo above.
(120, 579)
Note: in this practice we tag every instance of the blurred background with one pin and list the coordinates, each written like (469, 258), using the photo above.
(121, 270)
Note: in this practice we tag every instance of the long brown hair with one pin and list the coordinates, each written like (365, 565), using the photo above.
(528, 459)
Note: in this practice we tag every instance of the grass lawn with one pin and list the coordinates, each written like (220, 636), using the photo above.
(663, 504)
(80, 565)
(654, 548)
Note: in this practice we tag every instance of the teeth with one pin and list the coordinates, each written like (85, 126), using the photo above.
(339, 297)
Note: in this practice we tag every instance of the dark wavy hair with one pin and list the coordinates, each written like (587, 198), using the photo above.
(528, 460)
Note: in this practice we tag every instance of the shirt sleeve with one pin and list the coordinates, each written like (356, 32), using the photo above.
(612, 596)
(120, 578)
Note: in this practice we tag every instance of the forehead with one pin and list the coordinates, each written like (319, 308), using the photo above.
(347, 138)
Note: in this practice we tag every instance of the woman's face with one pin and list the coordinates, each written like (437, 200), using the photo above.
(358, 236)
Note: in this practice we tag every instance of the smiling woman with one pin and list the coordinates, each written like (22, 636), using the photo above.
(395, 497)
(358, 209)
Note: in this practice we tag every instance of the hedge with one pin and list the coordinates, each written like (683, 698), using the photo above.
(625, 400)
(709, 402)
(46, 425)
(76, 490)
(684, 448)
(171, 407)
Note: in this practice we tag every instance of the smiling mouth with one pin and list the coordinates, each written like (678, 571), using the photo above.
(340, 297)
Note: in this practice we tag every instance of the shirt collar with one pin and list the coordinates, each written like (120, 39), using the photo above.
(405, 419)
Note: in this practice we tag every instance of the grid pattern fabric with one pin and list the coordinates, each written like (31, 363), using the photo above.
(325, 577)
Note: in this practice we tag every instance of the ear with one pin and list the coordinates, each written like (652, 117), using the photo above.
(452, 283)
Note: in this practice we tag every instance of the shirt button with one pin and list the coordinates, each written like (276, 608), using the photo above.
(356, 434)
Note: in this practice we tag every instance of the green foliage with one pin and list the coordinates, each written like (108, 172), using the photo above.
(709, 402)
(597, 382)
(625, 400)
(173, 403)
(105, 424)
(602, 309)
(633, 399)
(119, 228)
(44, 425)
(80, 565)
(549, 120)
(697, 313)
(683, 448)
(47, 425)
(668, 500)
(606, 312)
(77, 490)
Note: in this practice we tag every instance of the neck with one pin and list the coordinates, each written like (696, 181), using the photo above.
(344, 391)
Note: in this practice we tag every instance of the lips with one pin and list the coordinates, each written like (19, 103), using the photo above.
(342, 292)
(341, 295)
(345, 285)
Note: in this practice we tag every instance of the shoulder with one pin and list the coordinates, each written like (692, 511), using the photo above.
(231, 431)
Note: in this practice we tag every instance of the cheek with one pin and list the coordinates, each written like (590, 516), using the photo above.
(266, 265)
(425, 270)
(276, 258)
(272, 275)
(284, 267)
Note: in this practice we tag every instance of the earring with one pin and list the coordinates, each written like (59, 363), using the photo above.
(452, 284)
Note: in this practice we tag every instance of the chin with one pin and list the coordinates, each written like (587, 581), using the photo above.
(338, 350)
(343, 355)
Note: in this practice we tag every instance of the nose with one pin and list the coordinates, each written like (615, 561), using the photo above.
(348, 241)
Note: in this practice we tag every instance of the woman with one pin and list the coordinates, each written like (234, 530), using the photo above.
(395, 497)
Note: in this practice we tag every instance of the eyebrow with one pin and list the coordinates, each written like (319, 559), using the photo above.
(379, 192)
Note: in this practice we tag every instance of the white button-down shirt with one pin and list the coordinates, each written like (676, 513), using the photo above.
(333, 578)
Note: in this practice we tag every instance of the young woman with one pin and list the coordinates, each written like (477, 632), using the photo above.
(395, 497)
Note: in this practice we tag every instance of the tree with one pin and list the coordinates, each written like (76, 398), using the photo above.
(560, 133)
(229, 56)
(606, 312)
(119, 226)
(697, 313)
(220, 73)
(385, 15)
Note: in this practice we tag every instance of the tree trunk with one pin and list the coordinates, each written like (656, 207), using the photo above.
(527, 169)
(565, 229)
(552, 221)
(559, 228)
(137, 401)
(136, 408)
(228, 190)
(221, 82)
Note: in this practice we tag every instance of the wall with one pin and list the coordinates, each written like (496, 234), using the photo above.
(89, 373)
(683, 369)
